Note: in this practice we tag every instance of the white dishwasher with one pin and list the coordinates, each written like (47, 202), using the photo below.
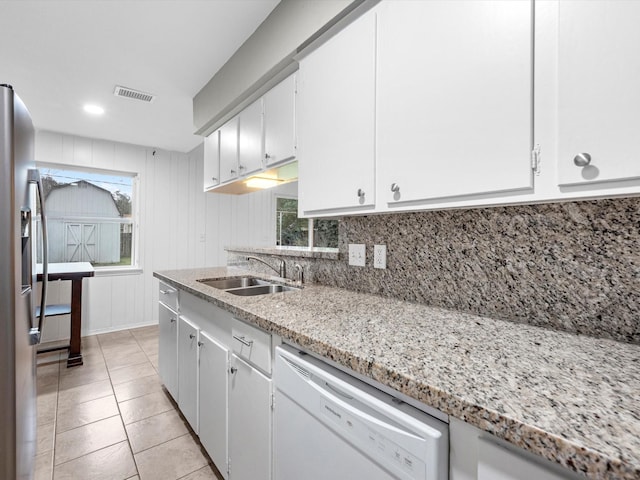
(329, 425)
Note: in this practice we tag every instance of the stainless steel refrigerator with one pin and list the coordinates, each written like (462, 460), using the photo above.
(19, 327)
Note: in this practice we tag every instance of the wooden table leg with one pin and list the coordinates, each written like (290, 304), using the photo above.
(75, 354)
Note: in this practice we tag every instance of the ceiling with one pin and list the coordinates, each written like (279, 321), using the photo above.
(60, 55)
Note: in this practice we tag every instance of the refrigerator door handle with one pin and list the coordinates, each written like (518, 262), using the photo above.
(36, 332)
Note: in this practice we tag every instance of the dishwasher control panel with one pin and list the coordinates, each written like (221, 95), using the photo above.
(372, 440)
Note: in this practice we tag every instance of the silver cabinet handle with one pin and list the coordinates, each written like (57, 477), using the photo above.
(233, 370)
(172, 320)
(244, 341)
(582, 160)
(200, 344)
(192, 336)
(166, 292)
(360, 193)
(395, 188)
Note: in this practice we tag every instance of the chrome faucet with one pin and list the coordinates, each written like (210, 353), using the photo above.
(299, 277)
(281, 270)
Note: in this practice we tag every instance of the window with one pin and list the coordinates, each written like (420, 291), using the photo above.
(294, 231)
(90, 216)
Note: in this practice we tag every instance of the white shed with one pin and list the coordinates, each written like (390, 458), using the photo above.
(84, 224)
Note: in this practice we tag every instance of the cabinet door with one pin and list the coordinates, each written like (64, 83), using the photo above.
(454, 98)
(212, 160)
(335, 112)
(250, 139)
(229, 150)
(167, 349)
(498, 463)
(598, 94)
(279, 122)
(249, 423)
(212, 422)
(188, 371)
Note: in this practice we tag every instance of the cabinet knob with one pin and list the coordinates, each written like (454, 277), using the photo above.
(233, 370)
(200, 344)
(233, 172)
(360, 193)
(172, 320)
(192, 336)
(267, 156)
(242, 167)
(395, 188)
(214, 179)
(582, 159)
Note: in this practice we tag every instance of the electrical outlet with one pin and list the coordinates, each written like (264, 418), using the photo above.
(380, 256)
(357, 254)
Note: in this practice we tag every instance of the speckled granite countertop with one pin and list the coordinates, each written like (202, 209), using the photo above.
(572, 399)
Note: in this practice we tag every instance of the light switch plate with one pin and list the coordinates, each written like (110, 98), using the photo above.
(357, 254)
(380, 256)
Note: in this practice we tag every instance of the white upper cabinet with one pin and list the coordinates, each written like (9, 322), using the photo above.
(598, 108)
(260, 137)
(250, 139)
(229, 150)
(279, 122)
(212, 160)
(454, 99)
(335, 113)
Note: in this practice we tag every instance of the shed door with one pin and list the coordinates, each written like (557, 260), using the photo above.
(81, 242)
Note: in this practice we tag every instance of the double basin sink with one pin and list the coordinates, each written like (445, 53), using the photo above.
(247, 286)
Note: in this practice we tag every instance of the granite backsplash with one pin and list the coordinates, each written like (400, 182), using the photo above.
(571, 266)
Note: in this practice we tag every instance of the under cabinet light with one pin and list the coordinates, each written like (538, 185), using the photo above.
(262, 182)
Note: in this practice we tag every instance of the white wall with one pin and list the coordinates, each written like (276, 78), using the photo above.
(180, 227)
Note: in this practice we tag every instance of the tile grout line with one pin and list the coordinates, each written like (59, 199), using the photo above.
(126, 433)
(99, 344)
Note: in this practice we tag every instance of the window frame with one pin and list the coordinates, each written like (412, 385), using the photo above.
(134, 221)
(311, 238)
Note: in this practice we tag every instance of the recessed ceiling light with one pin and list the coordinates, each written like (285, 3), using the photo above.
(93, 109)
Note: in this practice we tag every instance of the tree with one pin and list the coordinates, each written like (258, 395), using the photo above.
(123, 202)
(48, 184)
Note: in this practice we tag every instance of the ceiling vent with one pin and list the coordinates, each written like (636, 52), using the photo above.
(133, 94)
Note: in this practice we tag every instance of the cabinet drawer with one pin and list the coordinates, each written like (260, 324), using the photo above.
(168, 296)
(252, 344)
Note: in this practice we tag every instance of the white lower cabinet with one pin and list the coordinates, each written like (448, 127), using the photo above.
(168, 349)
(212, 399)
(249, 422)
(188, 371)
(223, 383)
(497, 463)
(477, 455)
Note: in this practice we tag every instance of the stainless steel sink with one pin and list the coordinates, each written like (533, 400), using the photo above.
(261, 290)
(246, 286)
(236, 282)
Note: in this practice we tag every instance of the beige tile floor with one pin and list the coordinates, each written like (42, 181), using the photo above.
(111, 418)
